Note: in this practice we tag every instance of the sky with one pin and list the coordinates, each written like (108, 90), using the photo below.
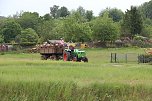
(10, 7)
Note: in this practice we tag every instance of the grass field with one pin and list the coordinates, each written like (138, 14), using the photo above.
(24, 77)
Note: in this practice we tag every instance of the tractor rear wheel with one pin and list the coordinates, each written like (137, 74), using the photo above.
(66, 56)
(74, 59)
(85, 59)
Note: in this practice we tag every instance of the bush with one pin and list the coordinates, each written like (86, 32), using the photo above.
(141, 41)
(145, 58)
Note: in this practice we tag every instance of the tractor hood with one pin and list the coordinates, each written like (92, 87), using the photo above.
(78, 50)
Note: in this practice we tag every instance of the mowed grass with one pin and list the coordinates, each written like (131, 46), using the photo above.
(25, 74)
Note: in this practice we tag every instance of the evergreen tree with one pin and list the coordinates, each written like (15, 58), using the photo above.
(132, 22)
(146, 9)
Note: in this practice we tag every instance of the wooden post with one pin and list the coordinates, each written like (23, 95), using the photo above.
(115, 57)
(111, 57)
(126, 57)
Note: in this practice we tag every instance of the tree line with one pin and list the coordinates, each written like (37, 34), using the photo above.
(80, 25)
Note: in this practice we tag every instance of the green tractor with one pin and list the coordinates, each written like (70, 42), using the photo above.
(74, 55)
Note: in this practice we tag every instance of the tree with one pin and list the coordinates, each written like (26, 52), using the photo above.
(76, 31)
(89, 15)
(3, 20)
(84, 33)
(132, 21)
(114, 13)
(2, 23)
(57, 12)
(81, 11)
(47, 17)
(27, 37)
(104, 29)
(1, 38)
(54, 11)
(10, 30)
(146, 9)
(62, 12)
(125, 25)
(45, 30)
(147, 31)
(77, 16)
(147, 28)
(28, 20)
(147, 21)
(58, 29)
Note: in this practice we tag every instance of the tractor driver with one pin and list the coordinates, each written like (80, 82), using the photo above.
(61, 41)
(71, 48)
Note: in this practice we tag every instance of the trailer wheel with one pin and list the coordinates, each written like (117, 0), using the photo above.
(43, 57)
(53, 57)
(66, 56)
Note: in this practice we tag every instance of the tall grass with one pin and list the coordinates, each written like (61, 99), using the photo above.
(59, 91)
(24, 77)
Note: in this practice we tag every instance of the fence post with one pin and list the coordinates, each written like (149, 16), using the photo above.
(138, 58)
(115, 57)
(111, 57)
(126, 57)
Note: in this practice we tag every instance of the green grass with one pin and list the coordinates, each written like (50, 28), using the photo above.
(27, 78)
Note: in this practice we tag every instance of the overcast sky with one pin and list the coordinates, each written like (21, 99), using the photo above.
(10, 7)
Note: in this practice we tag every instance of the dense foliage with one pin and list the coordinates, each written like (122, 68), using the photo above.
(79, 25)
(146, 9)
(105, 29)
(10, 30)
(114, 13)
(27, 37)
(133, 22)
